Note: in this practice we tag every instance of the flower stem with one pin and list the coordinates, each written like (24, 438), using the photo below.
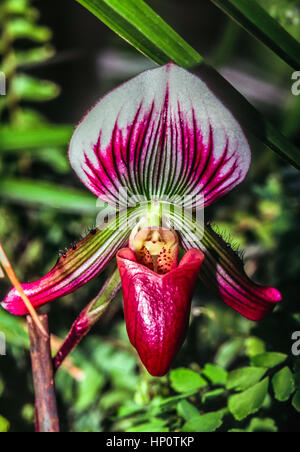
(43, 377)
(88, 317)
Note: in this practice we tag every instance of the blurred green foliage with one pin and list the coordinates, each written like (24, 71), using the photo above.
(231, 375)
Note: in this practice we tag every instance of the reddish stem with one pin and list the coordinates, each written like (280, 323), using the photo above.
(43, 377)
(78, 331)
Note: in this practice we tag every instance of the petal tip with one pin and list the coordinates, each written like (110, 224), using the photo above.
(273, 295)
(13, 304)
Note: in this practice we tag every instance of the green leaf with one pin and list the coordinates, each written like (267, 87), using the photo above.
(157, 425)
(244, 378)
(258, 425)
(45, 136)
(212, 395)
(169, 401)
(138, 24)
(209, 422)
(296, 401)
(33, 56)
(4, 425)
(48, 194)
(16, 6)
(32, 89)
(254, 346)
(14, 330)
(185, 380)
(266, 425)
(229, 351)
(248, 402)
(54, 157)
(251, 16)
(89, 388)
(268, 360)
(281, 145)
(21, 28)
(283, 384)
(215, 374)
(186, 410)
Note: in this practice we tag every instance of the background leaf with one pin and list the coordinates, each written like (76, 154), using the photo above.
(283, 384)
(258, 425)
(4, 425)
(205, 423)
(262, 425)
(296, 401)
(43, 136)
(185, 380)
(255, 346)
(186, 410)
(45, 193)
(216, 374)
(248, 402)
(245, 377)
(32, 89)
(157, 425)
(251, 16)
(268, 360)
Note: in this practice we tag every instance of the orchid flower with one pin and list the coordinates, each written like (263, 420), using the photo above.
(164, 139)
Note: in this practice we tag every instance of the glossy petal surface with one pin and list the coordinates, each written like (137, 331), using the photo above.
(157, 307)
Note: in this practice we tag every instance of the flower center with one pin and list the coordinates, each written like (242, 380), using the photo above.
(156, 248)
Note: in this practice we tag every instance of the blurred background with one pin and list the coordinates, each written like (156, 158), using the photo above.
(59, 59)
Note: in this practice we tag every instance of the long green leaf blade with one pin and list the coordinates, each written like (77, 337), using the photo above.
(138, 24)
(281, 145)
(49, 194)
(251, 16)
(45, 136)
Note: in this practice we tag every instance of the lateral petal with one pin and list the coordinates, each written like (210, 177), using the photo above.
(223, 270)
(76, 267)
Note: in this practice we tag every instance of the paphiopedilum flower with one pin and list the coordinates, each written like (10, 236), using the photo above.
(164, 139)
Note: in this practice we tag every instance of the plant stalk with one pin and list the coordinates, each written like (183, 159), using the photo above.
(43, 378)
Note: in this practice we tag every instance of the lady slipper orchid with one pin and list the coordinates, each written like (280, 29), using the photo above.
(157, 149)
(157, 295)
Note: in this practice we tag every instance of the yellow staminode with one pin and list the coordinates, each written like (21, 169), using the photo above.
(16, 283)
(156, 248)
